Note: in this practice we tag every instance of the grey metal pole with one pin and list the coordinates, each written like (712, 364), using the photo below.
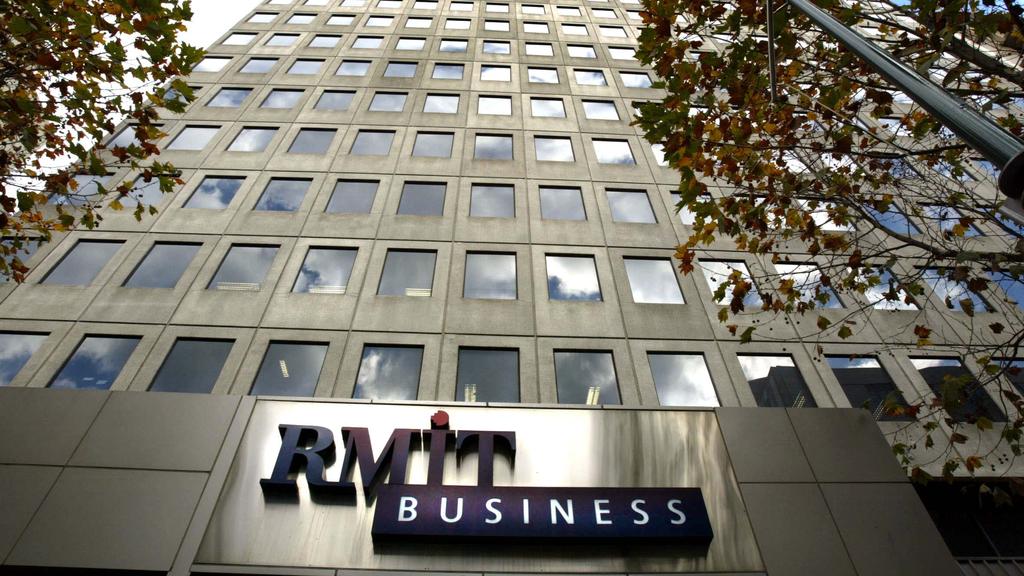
(997, 145)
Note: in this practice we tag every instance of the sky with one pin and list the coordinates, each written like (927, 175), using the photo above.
(211, 18)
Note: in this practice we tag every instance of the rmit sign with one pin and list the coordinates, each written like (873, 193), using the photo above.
(485, 511)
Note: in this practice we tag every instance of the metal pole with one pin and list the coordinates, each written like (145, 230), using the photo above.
(997, 145)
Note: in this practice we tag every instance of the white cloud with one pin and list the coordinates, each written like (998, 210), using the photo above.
(212, 18)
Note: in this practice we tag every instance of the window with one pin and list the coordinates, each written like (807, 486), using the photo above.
(568, 11)
(948, 374)
(552, 149)
(301, 19)
(325, 271)
(367, 42)
(535, 27)
(81, 265)
(193, 138)
(229, 98)
(145, 193)
(776, 382)
(410, 44)
(955, 294)
(491, 7)
(353, 68)
(312, 141)
(282, 99)
(497, 26)
(389, 373)
(96, 363)
(461, 6)
(400, 70)
(124, 138)
(262, 18)
(653, 281)
(252, 140)
(622, 53)
(352, 197)
(422, 199)
(373, 143)
(492, 201)
(493, 47)
(572, 278)
(407, 273)
(532, 8)
(586, 378)
(290, 369)
(448, 45)
(635, 79)
(613, 152)
(17, 348)
(305, 66)
(244, 268)
(392, 4)
(948, 219)
(1014, 372)
(211, 64)
(547, 108)
(542, 75)
(379, 21)
(424, 5)
(496, 73)
(590, 77)
(574, 29)
(867, 385)
(682, 379)
(1012, 286)
(258, 66)
(433, 145)
(192, 366)
(492, 147)
(561, 204)
(600, 110)
(441, 104)
(630, 206)
(581, 51)
(447, 71)
(820, 213)
(335, 100)
(387, 102)
(806, 279)
(281, 40)
(163, 265)
(283, 195)
(603, 13)
(717, 272)
(340, 20)
(612, 31)
(456, 24)
(539, 49)
(893, 220)
(214, 193)
(487, 375)
(490, 276)
(324, 41)
(887, 294)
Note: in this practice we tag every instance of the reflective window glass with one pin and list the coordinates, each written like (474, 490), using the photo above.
(490, 276)
(192, 366)
(424, 5)
(400, 70)
(82, 263)
(214, 193)
(492, 201)
(497, 26)
(539, 49)
(367, 42)
(806, 278)
(461, 6)
(86, 187)
(282, 40)
(718, 272)
(441, 104)
(682, 379)
(630, 206)
(612, 31)
(635, 79)
(867, 385)
(340, 20)
(325, 271)
(163, 265)
(433, 145)
(301, 18)
(622, 53)
(581, 51)
(211, 64)
(410, 44)
(407, 273)
(603, 13)
(547, 107)
(535, 27)
(283, 195)
(1014, 372)
(613, 152)
(600, 110)
(542, 75)
(252, 140)
(290, 369)
(282, 99)
(16, 348)
(561, 203)
(379, 21)
(336, 100)
(96, 363)
(971, 402)
(448, 71)
(229, 98)
(888, 286)
(387, 102)
(448, 45)
(776, 382)
(389, 373)
(312, 141)
(590, 77)
(262, 18)
(532, 8)
(491, 7)
(244, 268)
(487, 375)
(586, 378)
(574, 29)
(492, 147)
(352, 197)
(1012, 286)
(124, 138)
(372, 143)
(893, 219)
(193, 138)
(653, 281)
(947, 218)
(258, 66)
(422, 199)
(572, 278)
(955, 294)
(142, 192)
(305, 66)
(353, 68)
(496, 73)
(568, 11)
(551, 149)
(456, 24)
(324, 41)
(492, 47)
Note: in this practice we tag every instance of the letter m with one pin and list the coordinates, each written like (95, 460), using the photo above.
(358, 449)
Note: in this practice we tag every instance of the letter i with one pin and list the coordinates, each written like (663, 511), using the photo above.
(526, 511)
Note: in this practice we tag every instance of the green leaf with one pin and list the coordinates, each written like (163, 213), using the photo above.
(747, 335)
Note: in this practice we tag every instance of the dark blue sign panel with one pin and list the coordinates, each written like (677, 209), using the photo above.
(411, 512)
